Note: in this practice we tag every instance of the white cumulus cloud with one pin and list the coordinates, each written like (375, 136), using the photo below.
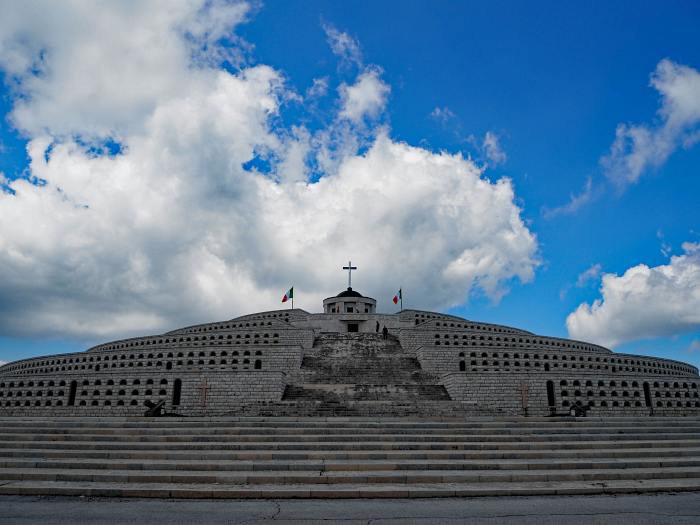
(365, 98)
(576, 202)
(343, 45)
(645, 302)
(639, 147)
(442, 115)
(318, 88)
(591, 274)
(173, 229)
(492, 149)
(99, 71)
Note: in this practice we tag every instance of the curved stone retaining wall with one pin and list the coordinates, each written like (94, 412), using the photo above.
(233, 365)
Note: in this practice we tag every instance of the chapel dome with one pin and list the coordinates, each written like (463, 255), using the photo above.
(349, 293)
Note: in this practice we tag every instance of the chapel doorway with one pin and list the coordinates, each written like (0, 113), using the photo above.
(551, 401)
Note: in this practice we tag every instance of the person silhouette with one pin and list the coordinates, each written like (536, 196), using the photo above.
(385, 333)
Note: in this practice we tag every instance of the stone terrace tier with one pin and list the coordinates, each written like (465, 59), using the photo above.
(296, 363)
(220, 457)
(345, 369)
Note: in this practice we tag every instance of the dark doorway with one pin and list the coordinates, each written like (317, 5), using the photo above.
(71, 393)
(647, 394)
(177, 389)
(353, 327)
(546, 367)
(550, 395)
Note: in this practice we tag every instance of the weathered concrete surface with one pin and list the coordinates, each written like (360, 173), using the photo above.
(275, 458)
(680, 509)
(296, 363)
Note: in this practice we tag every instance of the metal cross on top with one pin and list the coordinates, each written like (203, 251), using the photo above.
(349, 268)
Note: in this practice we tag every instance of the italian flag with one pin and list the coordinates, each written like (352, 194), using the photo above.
(289, 295)
(397, 297)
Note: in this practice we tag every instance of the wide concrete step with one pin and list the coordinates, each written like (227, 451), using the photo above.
(354, 422)
(352, 445)
(360, 490)
(340, 393)
(368, 457)
(348, 423)
(321, 438)
(369, 370)
(349, 464)
(315, 477)
(291, 431)
(327, 454)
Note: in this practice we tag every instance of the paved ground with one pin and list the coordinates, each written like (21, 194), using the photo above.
(570, 510)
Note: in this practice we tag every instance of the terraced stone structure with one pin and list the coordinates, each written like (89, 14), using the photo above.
(337, 363)
(258, 457)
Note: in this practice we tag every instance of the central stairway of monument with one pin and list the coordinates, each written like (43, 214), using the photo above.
(353, 374)
(239, 457)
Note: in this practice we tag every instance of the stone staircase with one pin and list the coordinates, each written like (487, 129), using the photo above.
(338, 393)
(360, 374)
(346, 457)
(361, 358)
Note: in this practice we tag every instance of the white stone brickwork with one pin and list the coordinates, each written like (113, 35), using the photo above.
(245, 365)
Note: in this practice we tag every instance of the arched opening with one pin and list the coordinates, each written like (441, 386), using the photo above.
(647, 394)
(550, 395)
(258, 364)
(462, 366)
(546, 367)
(72, 392)
(177, 390)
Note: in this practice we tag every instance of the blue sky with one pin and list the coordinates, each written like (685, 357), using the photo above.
(549, 82)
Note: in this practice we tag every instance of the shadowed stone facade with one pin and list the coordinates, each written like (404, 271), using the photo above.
(295, 363)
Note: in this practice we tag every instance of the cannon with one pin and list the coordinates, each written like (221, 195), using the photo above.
(154, 409)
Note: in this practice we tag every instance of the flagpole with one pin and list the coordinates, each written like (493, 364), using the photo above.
(401, 297)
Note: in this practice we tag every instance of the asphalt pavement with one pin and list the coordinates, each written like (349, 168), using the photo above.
(681, 508)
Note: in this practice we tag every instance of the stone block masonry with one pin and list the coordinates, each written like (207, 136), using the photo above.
(124, 394)
(260, 457)
(291, 362)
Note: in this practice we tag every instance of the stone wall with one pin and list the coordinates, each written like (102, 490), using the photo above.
(249, 332)
(125, 393)
(443, 333)
(337, 323)
(245, 363)
(507, 358)
(188, 356)
(603, 394)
